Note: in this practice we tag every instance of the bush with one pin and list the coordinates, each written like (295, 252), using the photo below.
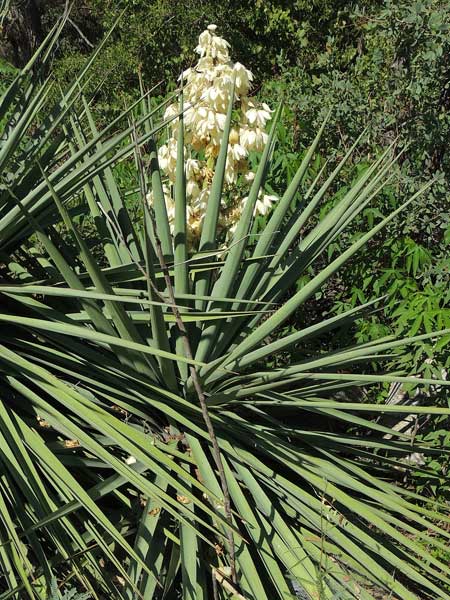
(148, 445)
(385, 70)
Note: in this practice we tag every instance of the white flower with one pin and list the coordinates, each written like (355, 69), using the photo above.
(218, 95)
(202, 200)
(219, 49)
(203, 42)
(212, 45)
(244, 77)
(171, 111)
(194, 219)
(204, 121)
(264, 204)
(167, 157)
(217, 120)
(192, 189)
(230, 171)
(192, 168)
(253, 139)
(185, 74)
(258, 117)
(236, 152)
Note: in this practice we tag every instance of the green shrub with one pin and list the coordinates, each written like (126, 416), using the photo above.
(384, 68)
(148, 447)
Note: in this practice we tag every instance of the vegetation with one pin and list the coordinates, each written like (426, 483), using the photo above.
(381, 65)
(222, 419)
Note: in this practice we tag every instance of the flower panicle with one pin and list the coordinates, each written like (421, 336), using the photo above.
(207, 89)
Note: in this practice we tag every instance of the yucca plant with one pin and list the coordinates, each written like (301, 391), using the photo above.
(148, 448)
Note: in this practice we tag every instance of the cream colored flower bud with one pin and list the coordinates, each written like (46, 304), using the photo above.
(212, 150)
(244, 77)
(234, 136)
(192, 189)
(197, 143)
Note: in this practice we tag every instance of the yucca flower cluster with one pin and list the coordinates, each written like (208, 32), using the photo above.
(207, 89)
